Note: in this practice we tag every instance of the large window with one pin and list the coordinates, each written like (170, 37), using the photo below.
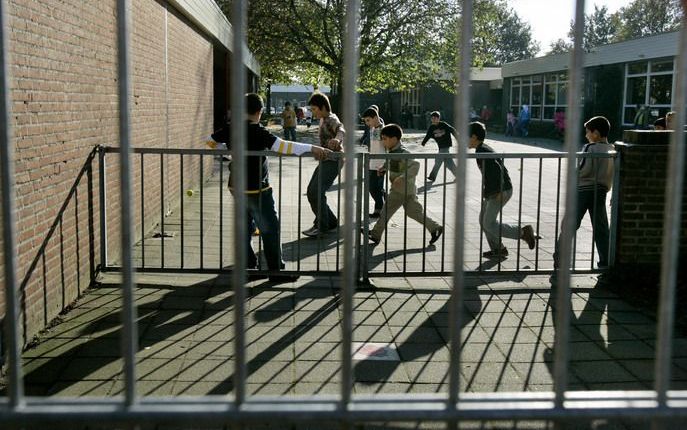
(543, 93)
(650, 84)
(412, 98)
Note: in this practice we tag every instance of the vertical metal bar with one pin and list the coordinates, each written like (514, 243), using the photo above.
(238, 141)
(221, 211)
(16, 388)
(350, 103)
(360, 186)
(424, 219)
(443, 222)
(318, 216)
(522, 168)
(386, 218)
(103, 206)
(562, 317)
(536, 249)
(129, 333)
(300, 206)
(338, 217)
(281, 180)
(143, 239)
(162, 211)
(181, 209)
(671, 231)
(461, 104)
(200, 185)
(615, 196)
(558, 201)
(593, 219)
(365, 215)
(260, 212)
(405, 221)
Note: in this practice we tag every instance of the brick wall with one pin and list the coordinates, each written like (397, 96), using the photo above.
(64, 103)
(643, 170)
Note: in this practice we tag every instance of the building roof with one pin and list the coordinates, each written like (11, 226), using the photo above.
(645, 48)
(208, 16)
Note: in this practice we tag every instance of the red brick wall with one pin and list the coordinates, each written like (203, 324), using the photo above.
(643, 171)
(64, 103)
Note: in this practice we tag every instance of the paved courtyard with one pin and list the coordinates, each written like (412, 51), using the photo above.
(293, 331)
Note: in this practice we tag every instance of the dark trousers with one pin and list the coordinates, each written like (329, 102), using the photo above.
(290, 133)
(322, 179)
(260, 209)
(593, 201)
(376, 184)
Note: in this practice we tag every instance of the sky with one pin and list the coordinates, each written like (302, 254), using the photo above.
(550, 19)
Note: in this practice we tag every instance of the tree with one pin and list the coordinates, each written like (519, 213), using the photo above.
(402, 43)
(499, 35)
(560, 46)
(305, 38)
(600, 28)
(646, 17)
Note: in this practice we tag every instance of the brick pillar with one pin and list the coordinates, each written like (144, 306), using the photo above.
(641, 199)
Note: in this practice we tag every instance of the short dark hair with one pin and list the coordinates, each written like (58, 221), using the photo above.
(392, 130)
(479, 130)
(321, 101)
(370, 112)
(436, 113)
(661, 122)
(600, 124)
(253, 103)
(287, 104)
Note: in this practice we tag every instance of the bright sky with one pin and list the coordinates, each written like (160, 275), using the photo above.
(550, 19)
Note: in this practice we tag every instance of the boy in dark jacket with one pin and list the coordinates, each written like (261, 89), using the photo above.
(259, 200)
(496, 191)
(441, 132)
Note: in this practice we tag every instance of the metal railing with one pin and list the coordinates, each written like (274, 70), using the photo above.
(204, 212)
(561, 406)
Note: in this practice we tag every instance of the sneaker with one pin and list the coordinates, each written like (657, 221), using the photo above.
(528, 236)
(436, 234)
(431, 178)
(312, 232)
(370, 237)
(283, 278)
(501, 253)
(375, 214)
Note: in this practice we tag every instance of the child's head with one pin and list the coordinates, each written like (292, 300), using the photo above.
(391, 134)
(370, 116)
(253, 104)
(596, 129)
(670, 118)
(319, 104)
(478, 132)
(435, 117)
(287, 105)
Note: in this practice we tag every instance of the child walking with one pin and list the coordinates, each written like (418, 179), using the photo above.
(496, 192)
(402, 192)
(372, 138)
(331, 134)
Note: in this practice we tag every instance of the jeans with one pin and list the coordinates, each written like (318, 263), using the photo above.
(593, 201)
(493, 229)
(290, 133)
(450, 165)
(260, 209)
(322, 179)
(376, 184)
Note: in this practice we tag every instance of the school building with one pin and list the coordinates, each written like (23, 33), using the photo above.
(619, 78)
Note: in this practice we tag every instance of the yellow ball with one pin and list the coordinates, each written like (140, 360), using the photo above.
(189, 193)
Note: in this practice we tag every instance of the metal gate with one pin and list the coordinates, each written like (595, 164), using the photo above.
(561, 405)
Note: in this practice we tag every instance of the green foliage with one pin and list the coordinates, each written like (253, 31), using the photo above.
(641, 18)
(646, 17)
(402, 43)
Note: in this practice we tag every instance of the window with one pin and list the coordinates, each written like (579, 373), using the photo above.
(650, 84)
(412, 98)
(556, 93)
